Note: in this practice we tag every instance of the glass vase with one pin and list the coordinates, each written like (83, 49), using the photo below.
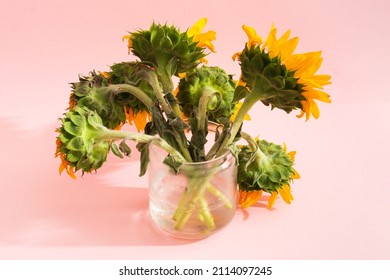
(197, 201)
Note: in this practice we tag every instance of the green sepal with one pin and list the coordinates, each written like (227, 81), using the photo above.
(73, 156)
(143, 148)
(124, 148)
(240, 93)
(115, 150)
(75, 144)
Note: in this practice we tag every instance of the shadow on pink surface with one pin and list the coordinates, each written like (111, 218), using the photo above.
(40, 208)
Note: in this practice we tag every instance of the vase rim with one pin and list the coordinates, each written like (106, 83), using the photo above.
(222, 158)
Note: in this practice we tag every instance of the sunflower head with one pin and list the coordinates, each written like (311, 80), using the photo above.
(205, 80)
(135, 74)
(270, 79)
(280, 78)
(268, 168)
(78, 145)
(92, 92)
(167, 48)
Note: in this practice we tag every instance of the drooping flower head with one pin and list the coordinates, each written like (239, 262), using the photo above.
(114, 107)
(92, 92)
(207, 80)
(267, 167)
(281, 78)
(82, 143)
(135, 74)
(77, 145)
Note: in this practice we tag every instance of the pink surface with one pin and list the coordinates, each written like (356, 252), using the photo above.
(341, 207)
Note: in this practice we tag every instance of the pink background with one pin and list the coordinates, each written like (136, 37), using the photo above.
(341, 207)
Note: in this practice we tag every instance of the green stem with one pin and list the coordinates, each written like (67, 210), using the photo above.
(108, 134)
(167, 84)
(248, 103)
(214, 191)
(253, 146)
(153, 80)
(141, 95)
(165, 78)
(174, 103)
(202, 108)
(195, 192)
(206, 215)
(185, 209)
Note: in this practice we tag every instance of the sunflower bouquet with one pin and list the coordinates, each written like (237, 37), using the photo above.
(142, 92)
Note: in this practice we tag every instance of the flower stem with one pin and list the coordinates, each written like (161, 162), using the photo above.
(197, 186)
(206, 215)
(248, 103)
(202, 108)
(108, 134)
(167, 85)
(213, 190)
(141, 95)
(260, 156)
(153, 80)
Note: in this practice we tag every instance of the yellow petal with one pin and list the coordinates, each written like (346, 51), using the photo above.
(61, 168)
(296, 175)
(236, 109)
(321, 79)
(284, 37)
(204, 60)
(182, 75)
(311, 93)
(301, 114)
(253, 38)
(205, 39)
(285, 194)
(237, 56)
(129, 41)
(314, 109)
(311, 63)
(272, 199)
(197, 27)
(288, 48)
(305, 110)
(287, 190)
(292, 155)
(202, 39)
(70, 172)
(140, 119)
(104, 74)
(247, 199)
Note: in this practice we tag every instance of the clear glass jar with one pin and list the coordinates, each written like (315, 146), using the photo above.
(196, 202)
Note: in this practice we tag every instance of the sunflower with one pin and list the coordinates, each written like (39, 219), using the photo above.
(302, 66)
(265, 167)
(169, 50)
